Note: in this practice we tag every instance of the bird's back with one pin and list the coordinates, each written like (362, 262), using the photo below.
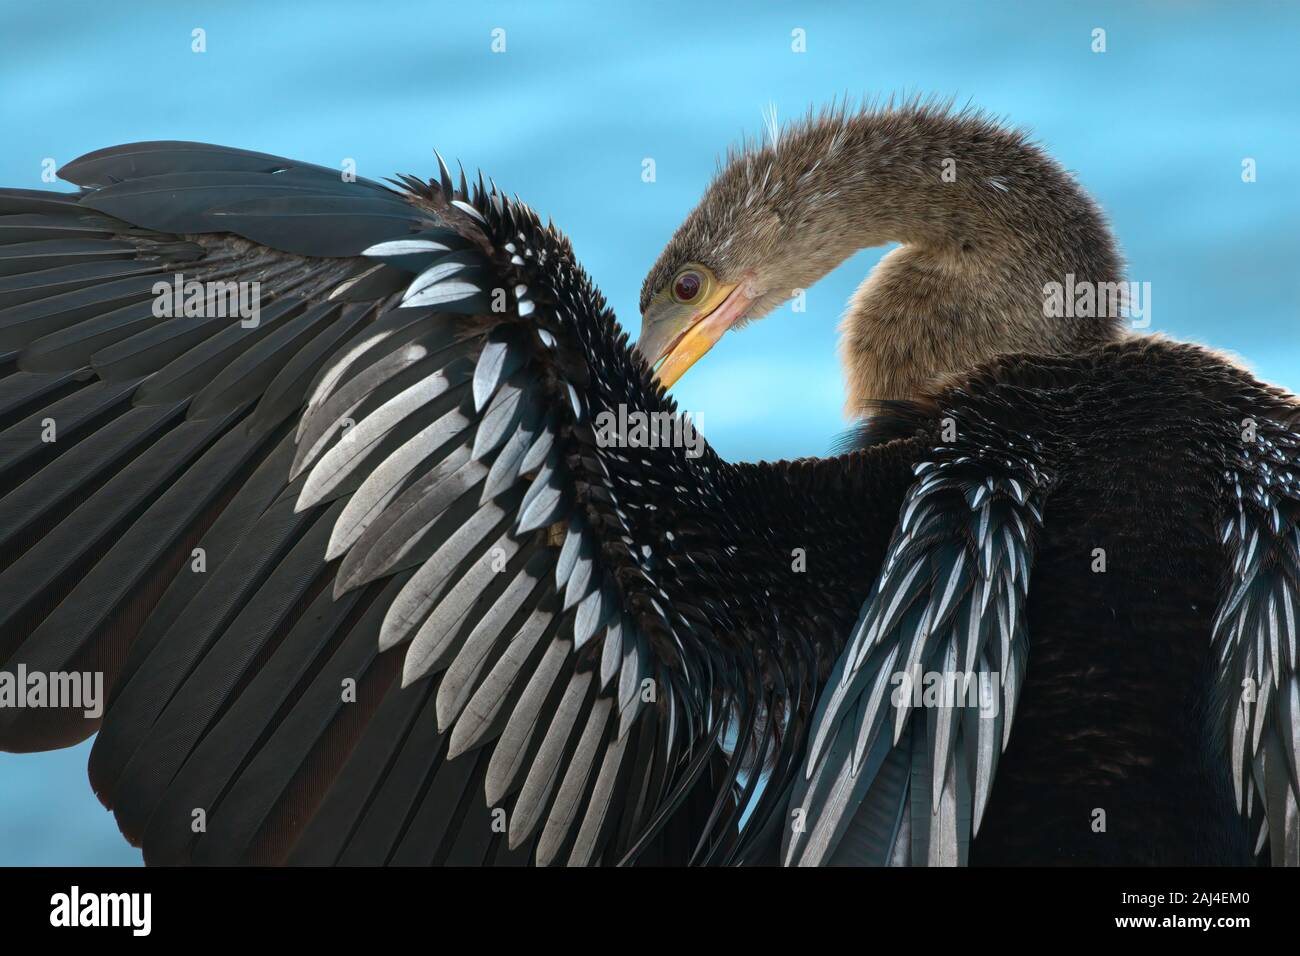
(1114, 757)
(1110, 534)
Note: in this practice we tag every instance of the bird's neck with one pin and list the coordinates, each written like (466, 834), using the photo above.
(989, 227)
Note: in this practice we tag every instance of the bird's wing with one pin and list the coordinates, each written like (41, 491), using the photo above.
(1256, 635)
(124, 412)
(906, 739)
(363, 581)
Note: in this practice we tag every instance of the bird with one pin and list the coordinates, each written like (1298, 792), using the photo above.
(328, 480)
(1148, 487)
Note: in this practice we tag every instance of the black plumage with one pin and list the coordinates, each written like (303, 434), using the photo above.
(611, 653)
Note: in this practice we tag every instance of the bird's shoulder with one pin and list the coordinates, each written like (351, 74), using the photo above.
(1143, 383)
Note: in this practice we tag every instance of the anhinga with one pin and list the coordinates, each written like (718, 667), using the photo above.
(624, 650)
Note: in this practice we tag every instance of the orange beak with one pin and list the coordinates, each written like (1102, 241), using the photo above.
(678, 336)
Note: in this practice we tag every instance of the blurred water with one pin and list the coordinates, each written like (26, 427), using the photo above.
(1156, 128)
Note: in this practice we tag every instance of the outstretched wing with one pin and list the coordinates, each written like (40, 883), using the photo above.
(124, 410)
(1256, 634)
(907, 734)
(461, 455)
(606, 649)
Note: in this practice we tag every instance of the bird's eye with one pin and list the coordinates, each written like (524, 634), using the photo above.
(687, 286)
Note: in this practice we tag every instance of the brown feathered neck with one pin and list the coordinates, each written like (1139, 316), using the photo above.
(986, 220)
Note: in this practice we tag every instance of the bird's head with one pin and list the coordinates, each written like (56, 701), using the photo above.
(980, 248)
(748, 246)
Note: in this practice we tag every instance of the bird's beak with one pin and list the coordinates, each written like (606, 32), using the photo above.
(681, 334)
